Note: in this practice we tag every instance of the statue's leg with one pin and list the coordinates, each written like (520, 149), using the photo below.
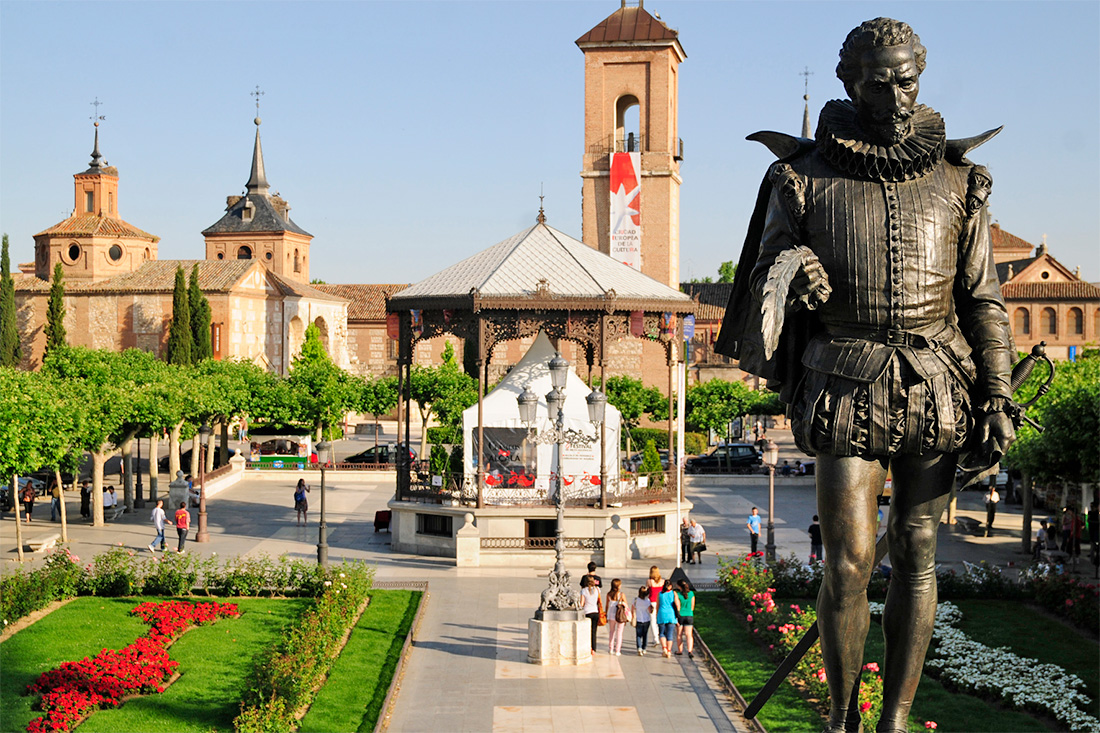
(922, 486)
(847, 487)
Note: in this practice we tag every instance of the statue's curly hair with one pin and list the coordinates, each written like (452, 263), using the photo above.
(877, 33)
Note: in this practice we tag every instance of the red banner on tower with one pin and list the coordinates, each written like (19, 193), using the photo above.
(626, 219)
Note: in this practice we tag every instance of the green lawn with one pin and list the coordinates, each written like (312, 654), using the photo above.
(748, 668)
(352, 697)
(213, 661)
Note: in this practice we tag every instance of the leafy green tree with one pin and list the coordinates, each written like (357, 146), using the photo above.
(179, 333)
(727, 271)
(443, 390)
(323, 391)
(1068, 449)
(200, 319)
(714, 404)
(11, 351)
(651, 465)
(633, 399)
(55, 312)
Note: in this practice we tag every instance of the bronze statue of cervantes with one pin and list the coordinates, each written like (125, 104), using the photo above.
(866, 293)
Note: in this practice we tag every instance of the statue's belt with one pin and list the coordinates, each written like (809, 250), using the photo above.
(922, 338)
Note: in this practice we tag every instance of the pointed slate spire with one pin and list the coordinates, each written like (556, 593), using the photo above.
(258, 182)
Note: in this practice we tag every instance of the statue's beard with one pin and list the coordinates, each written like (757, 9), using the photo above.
(888, 129)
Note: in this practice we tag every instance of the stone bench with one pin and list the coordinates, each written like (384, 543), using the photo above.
(113, 513)
(43, 542)
(968, 525)
(1053, 557)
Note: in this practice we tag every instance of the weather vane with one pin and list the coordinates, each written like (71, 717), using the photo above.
(96, 117)
(806, 74)
(257, 94)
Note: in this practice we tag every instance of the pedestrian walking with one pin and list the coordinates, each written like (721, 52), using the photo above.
(86, 500)
(618, 617)
(158, 518)
(590, 595)
(301, 505)
(55, 500)
(817, 550)
(666, 617)
(991, 498)
(685, 542)
(183, 523)
(642, 619)
(754, 529)
(684, 600)
(655, 584)
(698, 537)
(28, 496)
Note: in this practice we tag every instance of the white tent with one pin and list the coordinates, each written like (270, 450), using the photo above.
(515, 464)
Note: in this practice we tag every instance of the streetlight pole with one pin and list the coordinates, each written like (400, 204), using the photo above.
(771, 457)
(139, 500)
(322, 539)
(204, 435)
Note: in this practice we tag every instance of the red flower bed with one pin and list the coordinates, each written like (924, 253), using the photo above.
(75, 689)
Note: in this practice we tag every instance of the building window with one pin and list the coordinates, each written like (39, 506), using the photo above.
(435, 525)
(221, 256)
(1048, 322)
(110, 203)
(74, 252)
(1076, 323)
(297, 262)
(89, 201)
(540, 534)
(115, 253)
(394, 349)
(1045, 275)
(148, 254)
(1096, 324)
(647, 525)
(244, 253)
(267, 255)
(1023, 321)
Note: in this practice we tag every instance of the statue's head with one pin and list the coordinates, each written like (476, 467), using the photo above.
(880, 64)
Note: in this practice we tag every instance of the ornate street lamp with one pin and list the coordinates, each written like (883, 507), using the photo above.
(322, 539)
(771, 458)
(204, 437)
(597, 406)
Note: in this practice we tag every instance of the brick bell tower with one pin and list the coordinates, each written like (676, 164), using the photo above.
(631, 91)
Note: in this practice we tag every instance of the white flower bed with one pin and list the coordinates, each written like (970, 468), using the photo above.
(1023, 683)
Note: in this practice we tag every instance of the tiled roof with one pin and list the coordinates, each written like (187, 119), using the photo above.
(155, 276)
(628, 24)
(300, 289)
(1017, 267)
(712, 299)
(365, 302)
(266, 218)
(1002, 239)
(1079, 290)
(514, 267)
(87, 225)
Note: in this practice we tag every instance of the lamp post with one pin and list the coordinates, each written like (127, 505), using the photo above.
(139, 500)
(204, 437)
(560, 596)
(597, 405)
(771, 458)
(322, 538)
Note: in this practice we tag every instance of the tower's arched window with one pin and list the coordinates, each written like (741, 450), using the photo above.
(297, 262)
(244, 253)
(1023, 321)
(628, 125)
(1048, 322)
(1076, 322)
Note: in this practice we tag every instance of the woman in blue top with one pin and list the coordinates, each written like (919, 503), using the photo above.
(685, 613)
(666, 617)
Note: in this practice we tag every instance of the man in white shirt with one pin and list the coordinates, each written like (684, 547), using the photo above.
(158, 525)
(991, 499)
(698, 538)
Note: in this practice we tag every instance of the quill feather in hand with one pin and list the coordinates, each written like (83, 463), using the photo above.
(776, 291)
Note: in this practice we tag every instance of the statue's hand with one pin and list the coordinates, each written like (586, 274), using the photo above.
(995, 433)
(811, 284)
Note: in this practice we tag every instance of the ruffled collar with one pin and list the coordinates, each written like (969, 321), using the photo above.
(841, 142)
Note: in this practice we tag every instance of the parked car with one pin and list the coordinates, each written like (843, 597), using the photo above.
(45, 475)
(38, 484)
(735, 457)
(381, 453)
(185, 459)
(634, 462)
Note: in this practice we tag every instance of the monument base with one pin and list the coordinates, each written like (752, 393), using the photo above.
(559, 638)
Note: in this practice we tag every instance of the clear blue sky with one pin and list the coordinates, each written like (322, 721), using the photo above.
(408, 135)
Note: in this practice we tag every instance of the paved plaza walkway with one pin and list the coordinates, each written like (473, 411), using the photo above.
(467, 668)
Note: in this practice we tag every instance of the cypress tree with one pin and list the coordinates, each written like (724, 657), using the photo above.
(55, 312)
(11, 352)
(179, 333)
(200, 319)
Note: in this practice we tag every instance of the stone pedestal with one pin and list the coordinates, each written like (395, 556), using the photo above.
(616, 545)
(468, 544)
(559, 638)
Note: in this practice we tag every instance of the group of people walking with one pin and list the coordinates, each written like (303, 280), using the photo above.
(659, 610)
